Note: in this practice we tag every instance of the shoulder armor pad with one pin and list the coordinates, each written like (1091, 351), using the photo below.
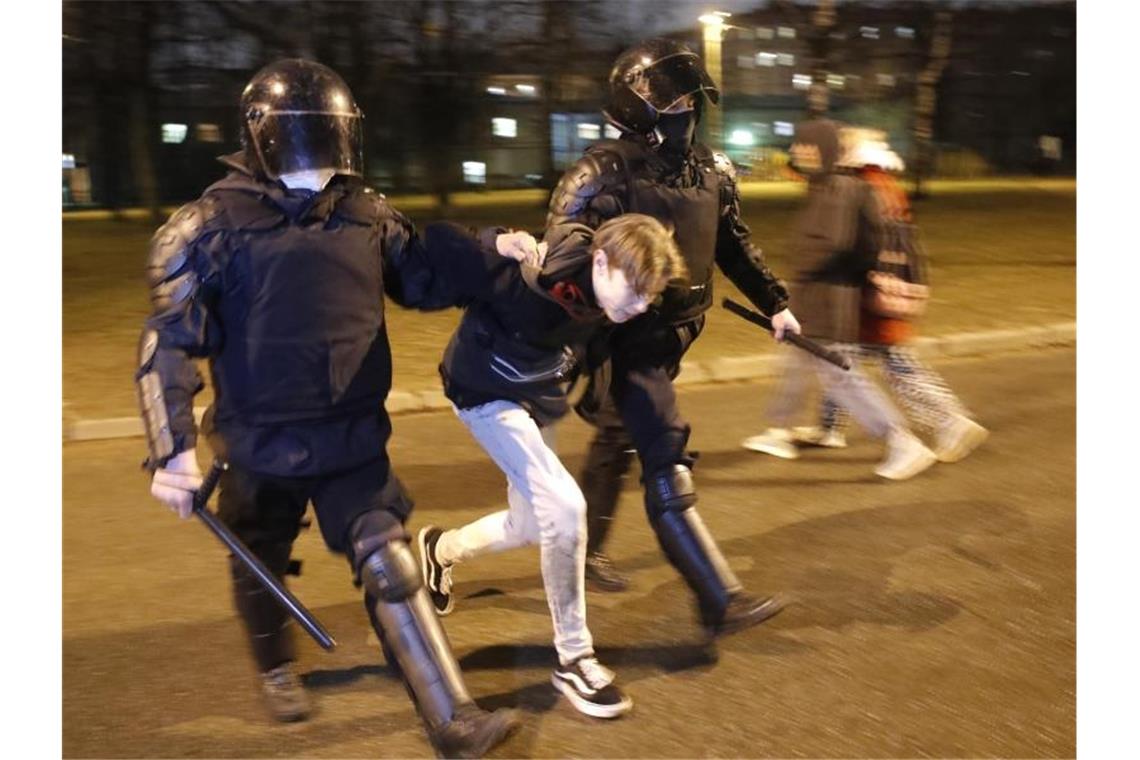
(363, 206)
(597, 169)
(170, 246)
(724, 165)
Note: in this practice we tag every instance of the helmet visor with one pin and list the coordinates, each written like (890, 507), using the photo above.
(665, 82)
(297, 141)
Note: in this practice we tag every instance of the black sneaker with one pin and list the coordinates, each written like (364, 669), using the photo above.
(743, 611)
(437, 575)
(472, 732)
(601, 575)
(284, 696)
(589, 686)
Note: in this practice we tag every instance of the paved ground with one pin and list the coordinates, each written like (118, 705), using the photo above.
(932, 618)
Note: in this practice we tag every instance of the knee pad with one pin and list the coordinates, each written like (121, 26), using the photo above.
(669, 490)
(391, 573)
(368, 533)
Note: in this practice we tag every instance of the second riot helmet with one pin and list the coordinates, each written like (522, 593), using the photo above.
(651, 78)
(299, 116)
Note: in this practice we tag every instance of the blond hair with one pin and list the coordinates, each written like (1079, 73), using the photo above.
(644, 250)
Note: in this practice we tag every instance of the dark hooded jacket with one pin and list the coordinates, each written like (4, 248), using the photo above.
(836, 238)
(524, 331)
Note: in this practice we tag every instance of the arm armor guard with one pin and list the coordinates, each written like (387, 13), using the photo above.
(741, 261)
(156, 423)
(167, 379)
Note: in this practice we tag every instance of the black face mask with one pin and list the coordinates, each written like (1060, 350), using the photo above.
(676, 130)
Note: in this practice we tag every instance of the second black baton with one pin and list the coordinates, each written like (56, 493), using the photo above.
(807, 344)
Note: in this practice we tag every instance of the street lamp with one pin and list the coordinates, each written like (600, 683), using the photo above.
(713, 24)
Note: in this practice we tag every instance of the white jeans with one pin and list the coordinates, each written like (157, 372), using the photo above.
(851, 389)
(545, 506)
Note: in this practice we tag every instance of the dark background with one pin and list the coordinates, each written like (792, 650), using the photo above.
(431, 75)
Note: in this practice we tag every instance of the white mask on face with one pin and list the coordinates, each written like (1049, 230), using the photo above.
(313, 179)
(614, 293)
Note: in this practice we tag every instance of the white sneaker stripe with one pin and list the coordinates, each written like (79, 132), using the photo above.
(579, 685)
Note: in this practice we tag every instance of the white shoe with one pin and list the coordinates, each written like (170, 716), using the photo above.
(813, 435)
(906, 457)
(958, 439)
(774, 441)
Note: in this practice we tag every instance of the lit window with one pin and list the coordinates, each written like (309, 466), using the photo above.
(786, 59)
(784, 128)
(1050, 147)
(905, 32)
(173, 133)
(475, 172)
(801, 81)
(68, 161)
(869, 32)
(208, 133)
(787, 32)
(835, 81)
(764, 33)
(526, 89)
(766, 59)
(589, 131)
(496, 91)
(740, 137)
(745, 61)
(612, 132)
(886, 80)
(501, 127)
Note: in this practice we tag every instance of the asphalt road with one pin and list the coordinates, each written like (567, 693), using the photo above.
(934, 617)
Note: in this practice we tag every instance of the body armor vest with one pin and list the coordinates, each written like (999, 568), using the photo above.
(303, 319)
(691, 207)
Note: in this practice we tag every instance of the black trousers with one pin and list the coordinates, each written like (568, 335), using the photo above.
(639, 414)
(265, 512)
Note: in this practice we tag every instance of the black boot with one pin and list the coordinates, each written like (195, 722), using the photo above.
(601, 575)
(608, 459)
(418, 648)
(723, 604)
(270, 632)
(284, 696)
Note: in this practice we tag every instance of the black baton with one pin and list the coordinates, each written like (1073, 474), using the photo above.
(267, 579)
(807, 344)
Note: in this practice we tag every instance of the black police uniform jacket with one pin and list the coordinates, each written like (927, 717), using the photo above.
(696, 194)
(524, 329)
(283, 291)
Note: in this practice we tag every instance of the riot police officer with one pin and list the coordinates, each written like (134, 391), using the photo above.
(657, 91)
(276, 274)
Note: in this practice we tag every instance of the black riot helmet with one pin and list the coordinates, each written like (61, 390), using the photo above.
(652, 77)
(299, 115)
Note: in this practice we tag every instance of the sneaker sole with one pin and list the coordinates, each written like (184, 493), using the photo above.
(923, 464)
(587, 707)
(771, 450)
(974, 438)
(823, 442)
(425, 568)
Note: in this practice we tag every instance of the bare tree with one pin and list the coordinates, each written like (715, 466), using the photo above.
(926, 99)
(110, 44)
